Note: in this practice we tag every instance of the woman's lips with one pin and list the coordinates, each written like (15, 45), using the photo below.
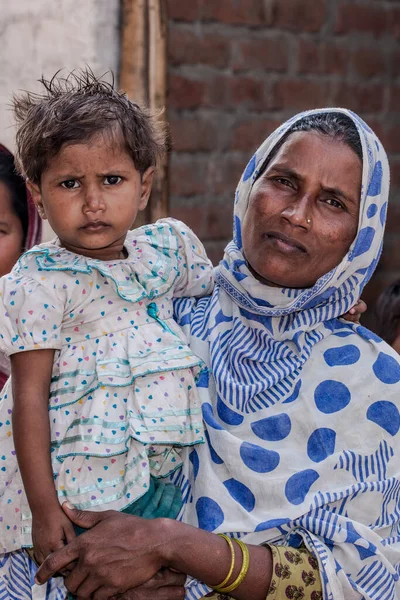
(284, 243)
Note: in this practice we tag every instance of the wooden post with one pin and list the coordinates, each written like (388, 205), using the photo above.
(143, 76)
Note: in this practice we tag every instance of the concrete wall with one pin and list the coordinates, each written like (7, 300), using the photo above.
(41, 36)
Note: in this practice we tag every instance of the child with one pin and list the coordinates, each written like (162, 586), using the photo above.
(102, 391)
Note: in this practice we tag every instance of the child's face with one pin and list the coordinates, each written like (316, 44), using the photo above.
(11, 233)
(91, 194)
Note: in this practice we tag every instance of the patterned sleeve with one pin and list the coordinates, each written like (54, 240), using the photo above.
(295, 574)
(30, 315)
(195, 271)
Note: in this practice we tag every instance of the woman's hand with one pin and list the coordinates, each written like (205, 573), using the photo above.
(356, 311)
(121, 552)
(50, 531)
(165, 585)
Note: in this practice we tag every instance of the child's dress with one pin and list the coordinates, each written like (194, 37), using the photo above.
(123, 393)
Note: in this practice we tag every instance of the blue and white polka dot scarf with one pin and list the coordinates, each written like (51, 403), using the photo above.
(301, 408)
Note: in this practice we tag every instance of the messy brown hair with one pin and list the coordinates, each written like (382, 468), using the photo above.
(74, 109)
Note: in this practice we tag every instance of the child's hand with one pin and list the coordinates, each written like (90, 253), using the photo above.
(355, 312)
(50, 531)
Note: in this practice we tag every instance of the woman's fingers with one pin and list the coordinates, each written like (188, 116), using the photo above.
(83, 518)
(56, 561)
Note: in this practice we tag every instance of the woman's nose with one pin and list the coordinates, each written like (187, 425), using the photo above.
(298, 212)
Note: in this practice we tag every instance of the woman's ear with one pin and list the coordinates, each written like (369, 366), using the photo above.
(36, 196)
(147, 183)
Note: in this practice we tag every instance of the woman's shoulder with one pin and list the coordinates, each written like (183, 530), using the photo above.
(360, 360)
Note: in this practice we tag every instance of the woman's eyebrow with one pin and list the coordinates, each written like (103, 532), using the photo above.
(283, 170)
(338, 192)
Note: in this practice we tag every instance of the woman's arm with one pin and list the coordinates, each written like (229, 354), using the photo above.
(122, 552)
(31, 375)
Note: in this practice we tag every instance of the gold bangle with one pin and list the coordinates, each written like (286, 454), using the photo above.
(243, 570)
(232, 549)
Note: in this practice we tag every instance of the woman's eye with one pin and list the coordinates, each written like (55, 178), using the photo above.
(70, 184)
(284, 181)
(333, 202)
(112, 179)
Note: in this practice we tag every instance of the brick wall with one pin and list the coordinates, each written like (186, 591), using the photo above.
(238, 68)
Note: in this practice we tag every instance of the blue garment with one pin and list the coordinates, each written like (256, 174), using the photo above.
(301, 408)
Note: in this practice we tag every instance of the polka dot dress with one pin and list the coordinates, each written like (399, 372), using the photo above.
(123, 398)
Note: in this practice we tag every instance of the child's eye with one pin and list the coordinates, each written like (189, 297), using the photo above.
(70, 184)
(112, 179)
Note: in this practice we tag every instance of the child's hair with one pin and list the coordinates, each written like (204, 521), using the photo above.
(73, 110)
(388, 313)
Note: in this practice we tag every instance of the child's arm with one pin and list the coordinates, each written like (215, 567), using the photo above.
(31, 375)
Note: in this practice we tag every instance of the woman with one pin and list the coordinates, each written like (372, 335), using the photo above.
(20, 226)
(301, 408)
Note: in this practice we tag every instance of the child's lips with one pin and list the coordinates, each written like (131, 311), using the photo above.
(95, 226)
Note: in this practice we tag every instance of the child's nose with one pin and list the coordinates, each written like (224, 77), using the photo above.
(93, 200)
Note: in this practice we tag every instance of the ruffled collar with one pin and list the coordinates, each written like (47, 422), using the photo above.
(146, 272)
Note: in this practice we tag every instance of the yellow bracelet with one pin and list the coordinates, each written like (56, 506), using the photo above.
(232, 549)
(243, 570)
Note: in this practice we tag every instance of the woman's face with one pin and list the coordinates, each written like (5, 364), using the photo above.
(11, 233)
(303, 211)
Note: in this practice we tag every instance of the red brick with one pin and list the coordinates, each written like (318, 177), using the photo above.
(309, 57)
(208, 221)
(183, 11)
(227, 92)
(249, 93)
(224, 173)
(187, 175)
(361, 17)
(300, 94)
(394, 21)
(393, 217)
(396, 63)
(394, 173)
(390, 259)
(193, 134)
(368, 62)
(336, 59)
(248, 135)
(390, 137)
(359, 97)
(186, 47)
(298, 15)
(268, 53)
(184, 92)
(215, 250)
(394, 101)
(235, 12)
(322, 57)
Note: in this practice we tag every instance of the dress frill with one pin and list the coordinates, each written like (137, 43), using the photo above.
(122, 400)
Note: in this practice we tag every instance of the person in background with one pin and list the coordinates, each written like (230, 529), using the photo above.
(20, 226)
(388, 315)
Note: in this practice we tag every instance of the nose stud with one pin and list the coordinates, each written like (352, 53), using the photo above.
(309, 221)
